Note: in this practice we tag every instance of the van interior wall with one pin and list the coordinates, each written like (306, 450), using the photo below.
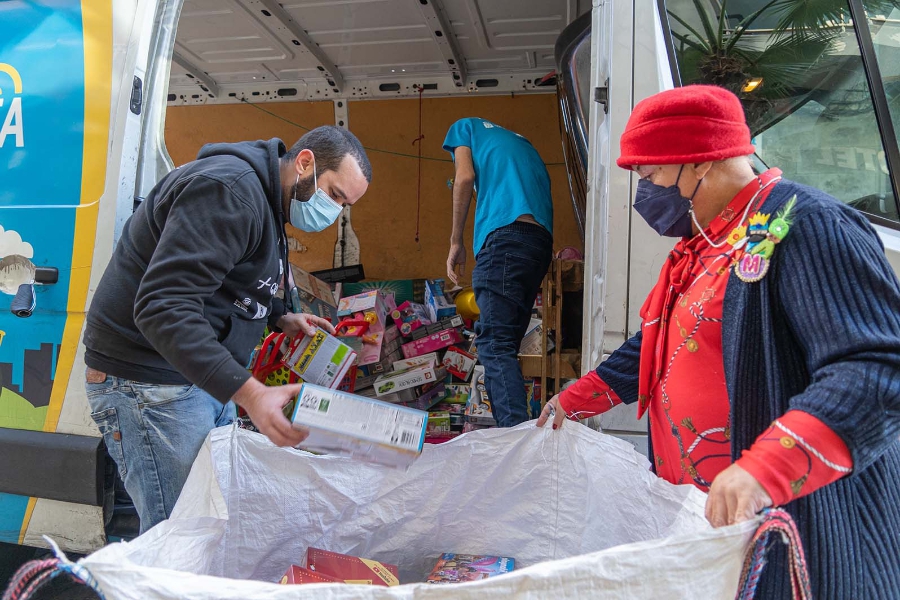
(384, 220)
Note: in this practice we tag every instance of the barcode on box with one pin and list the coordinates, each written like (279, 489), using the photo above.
(408, 438)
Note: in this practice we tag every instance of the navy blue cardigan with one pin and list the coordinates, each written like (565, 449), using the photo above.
(820, 333)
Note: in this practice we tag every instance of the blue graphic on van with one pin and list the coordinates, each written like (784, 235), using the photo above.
(41, 148)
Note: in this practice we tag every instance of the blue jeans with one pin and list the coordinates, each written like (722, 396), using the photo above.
(154, 433)
(506, 279)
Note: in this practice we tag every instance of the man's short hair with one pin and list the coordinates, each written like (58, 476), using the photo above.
(330, 144)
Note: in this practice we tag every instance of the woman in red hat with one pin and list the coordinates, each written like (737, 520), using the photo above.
(768, 358)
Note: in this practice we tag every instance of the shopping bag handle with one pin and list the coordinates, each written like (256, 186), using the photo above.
(775, 521)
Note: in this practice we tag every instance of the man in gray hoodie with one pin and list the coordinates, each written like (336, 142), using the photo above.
(189, 291)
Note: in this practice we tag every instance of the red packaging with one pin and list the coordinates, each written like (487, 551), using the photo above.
(297, 574)
(351, 569)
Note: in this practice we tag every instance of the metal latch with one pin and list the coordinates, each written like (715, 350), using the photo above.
(601, 95)
(137, 95)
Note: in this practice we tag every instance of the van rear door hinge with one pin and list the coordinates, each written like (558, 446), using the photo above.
(601, 95)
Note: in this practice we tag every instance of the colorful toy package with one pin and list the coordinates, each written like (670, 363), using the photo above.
(320, 359)
(409, 316)
(479, 410)
(352, 425)
(351, 569)
(460, 568)
(298, 575)
(436, 302)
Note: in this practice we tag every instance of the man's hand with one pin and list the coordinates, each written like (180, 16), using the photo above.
(735, 496)
(552, 409)
(456, 258)
(293, 324)
(264, 405)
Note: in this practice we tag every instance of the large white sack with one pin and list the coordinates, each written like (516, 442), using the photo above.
(249, 510)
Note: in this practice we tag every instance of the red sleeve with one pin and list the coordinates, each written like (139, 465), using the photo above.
(796, 456)
(587, 397)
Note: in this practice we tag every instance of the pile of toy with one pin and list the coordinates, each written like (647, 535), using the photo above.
(322, 566)
(394, 376)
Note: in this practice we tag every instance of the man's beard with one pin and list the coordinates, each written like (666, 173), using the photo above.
(303, 189)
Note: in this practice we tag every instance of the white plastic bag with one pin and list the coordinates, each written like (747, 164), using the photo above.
(581, 499)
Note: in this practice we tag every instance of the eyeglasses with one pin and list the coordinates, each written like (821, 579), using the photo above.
(644, 171)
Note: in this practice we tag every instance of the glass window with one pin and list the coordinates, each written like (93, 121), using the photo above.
(800, 76)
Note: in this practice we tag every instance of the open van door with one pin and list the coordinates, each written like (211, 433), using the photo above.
(68, 101)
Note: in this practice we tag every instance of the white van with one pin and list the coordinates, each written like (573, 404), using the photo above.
(84, 89)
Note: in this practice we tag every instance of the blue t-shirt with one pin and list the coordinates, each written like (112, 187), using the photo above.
(510, 177)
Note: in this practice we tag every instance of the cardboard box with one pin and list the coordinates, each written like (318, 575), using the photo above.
(373, 307)
(351, 569)
(459, 363)
(353, 425)
(479, 410)
(436, 302)
(403, 290)
(531, 343)
(384, 365)
(455, 321)
(430, 397)
(298, 575)
(458, 393)
(316, 296)
(432, 343)
(407, 378)
(320, 359)
(409, 316)
(454, 408)
(460, 568)
(426, 359)
(438, 424)
(407, 397)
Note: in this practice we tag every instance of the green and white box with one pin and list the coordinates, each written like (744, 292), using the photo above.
(395, 381)
(364, 428)
(320, 359)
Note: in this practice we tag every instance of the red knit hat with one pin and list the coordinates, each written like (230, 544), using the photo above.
(690, 124)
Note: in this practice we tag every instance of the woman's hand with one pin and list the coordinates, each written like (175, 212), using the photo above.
(552, 411)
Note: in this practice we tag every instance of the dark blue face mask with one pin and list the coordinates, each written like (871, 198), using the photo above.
(664, 208)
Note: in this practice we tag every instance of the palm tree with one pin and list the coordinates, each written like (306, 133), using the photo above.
(772, 70)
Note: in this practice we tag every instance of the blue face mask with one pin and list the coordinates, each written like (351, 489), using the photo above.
(664, 208)
(317, 213)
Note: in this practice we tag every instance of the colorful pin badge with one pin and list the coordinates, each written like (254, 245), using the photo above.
(751, 267)
(762, 237)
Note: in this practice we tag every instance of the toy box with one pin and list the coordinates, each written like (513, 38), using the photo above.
(409, 316)
(320, 359)
(438, 424)
(352, 425)
(403, 290)
(459, 568)
(426, 359)
(450, 407)
(458, 393)
(297, 574)
(315, 295)
(531, 343)
(429, 396)
(453, 322)
(436, 302)
(432, 343)
(479, 410)
(351, 569)
(407, 378)
(407, 397)
(382, 366)
(459, 363)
